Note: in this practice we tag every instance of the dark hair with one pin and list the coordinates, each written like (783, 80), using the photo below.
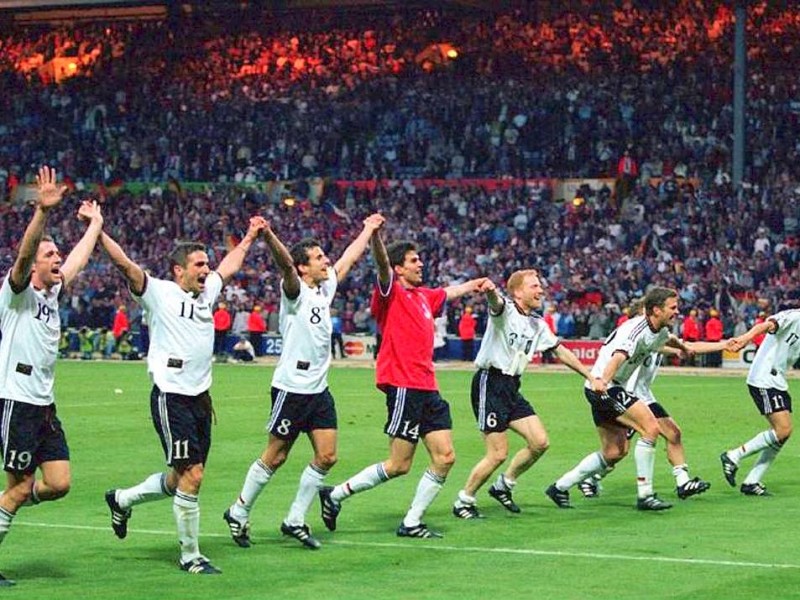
(300, 250)
(397, 252)
(656, 297)
(181, 252)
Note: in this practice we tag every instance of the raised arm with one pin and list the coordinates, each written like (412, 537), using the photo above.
(381, 258)
(462, 289)
(356, 248)
(234, 259)
(77, 259)
(283, 259)
(129, 269)
(49, 195)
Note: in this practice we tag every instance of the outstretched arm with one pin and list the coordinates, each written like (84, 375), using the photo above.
(468, 287)
(234, 259)
(567, 356)
(49, 195)
(283, 259)
(356, 248)
(77, 259)
(495, 300)
(129, 269)
(768, 326)
(706, 347)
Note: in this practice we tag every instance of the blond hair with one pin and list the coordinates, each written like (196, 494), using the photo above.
(517, 277)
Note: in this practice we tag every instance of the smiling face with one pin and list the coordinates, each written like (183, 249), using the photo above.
(410, 272)
(526, 290)
(192, 277)
(316, 269)
(46, 269)
(530, 294)
(664, 316)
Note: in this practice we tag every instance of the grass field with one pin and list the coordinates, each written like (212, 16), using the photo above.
(719, 545)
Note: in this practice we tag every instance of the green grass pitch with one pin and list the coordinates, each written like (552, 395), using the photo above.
(718, 545)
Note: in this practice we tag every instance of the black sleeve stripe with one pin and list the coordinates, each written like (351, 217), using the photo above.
(22, 287)
(144, 286)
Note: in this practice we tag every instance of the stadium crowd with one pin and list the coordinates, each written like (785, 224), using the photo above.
(634, 90)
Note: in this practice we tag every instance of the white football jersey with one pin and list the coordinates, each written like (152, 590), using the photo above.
(640, 382)
(511, 339)
(637, 340)
(778, 352)
(181, 334)
(305, 325)
(31, 329)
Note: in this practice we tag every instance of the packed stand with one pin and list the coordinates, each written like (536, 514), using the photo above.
(636, 91)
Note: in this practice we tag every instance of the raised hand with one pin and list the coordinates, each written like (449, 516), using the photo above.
(50, 193)
(375, 221)
(90, 210)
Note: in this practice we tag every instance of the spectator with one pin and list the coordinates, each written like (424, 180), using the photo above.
(243, 350)
(86, 343)
(336, 334)
(256, 328)
(467, 326)
(598, 322)
(714, 333)
(222, 327)
(121, 322)
(691, 332)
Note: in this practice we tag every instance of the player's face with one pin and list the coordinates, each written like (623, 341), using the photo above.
(411, 269)
(317, 268)
(46, 271)
(532, 293)
(665, 315)
(192, 278)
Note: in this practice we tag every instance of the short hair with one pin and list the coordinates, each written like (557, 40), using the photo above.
(45, 238)
(180, 254)
(397, 252)
(657, 297)
(517, 277)
(299, 251)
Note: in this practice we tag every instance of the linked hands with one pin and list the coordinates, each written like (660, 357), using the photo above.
(737, 343)
(486, 285)
(256, 226)
(89, 211)
(374, 222)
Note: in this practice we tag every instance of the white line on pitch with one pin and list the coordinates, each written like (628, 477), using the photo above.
(469, 549)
